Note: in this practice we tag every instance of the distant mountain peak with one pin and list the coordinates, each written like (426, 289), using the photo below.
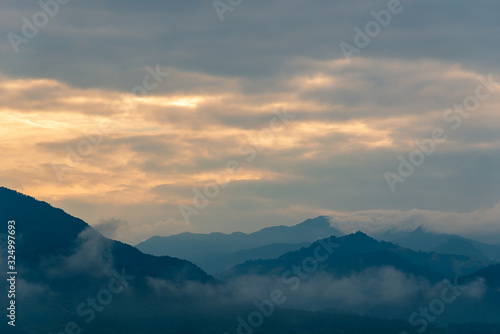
(320, 220)
(359, 236)
(360, 242)
(205, 249)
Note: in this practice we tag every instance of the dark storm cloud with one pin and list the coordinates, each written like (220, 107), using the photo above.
(106, 43)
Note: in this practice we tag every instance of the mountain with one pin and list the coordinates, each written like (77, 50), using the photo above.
(214, 263)
(491, 251)
(490, 274)
(72, 279)
(44, 232)
(362, 275)
(357, 252)
(460, 247)
(215, 251)
(63, 265)
(420, 239)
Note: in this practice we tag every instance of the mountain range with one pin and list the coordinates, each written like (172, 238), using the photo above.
(68, 276)
(420, 239)
(215, 252)
(358, 251)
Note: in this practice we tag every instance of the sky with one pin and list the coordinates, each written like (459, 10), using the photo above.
(160, 117)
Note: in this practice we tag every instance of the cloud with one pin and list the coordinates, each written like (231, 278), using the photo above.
(30, 292)
(112, 228)
(91, 255)
(359, 292)
(370, 291)
(476, 290)
(236, 47)
(482, 223)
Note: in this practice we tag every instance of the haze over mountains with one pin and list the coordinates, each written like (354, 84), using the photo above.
(215, 252)
(419, 239)
(307, 277)
(355, 252)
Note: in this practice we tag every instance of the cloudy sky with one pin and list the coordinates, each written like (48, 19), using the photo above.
(120, 111)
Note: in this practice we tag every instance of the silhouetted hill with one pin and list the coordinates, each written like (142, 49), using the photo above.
(61, 262)
(357, 252)
(491, 276)
(64, 265)
(45, 234)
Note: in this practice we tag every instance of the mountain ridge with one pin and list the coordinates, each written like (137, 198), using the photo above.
(43, 232)
(361, 247)
(205, 249)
